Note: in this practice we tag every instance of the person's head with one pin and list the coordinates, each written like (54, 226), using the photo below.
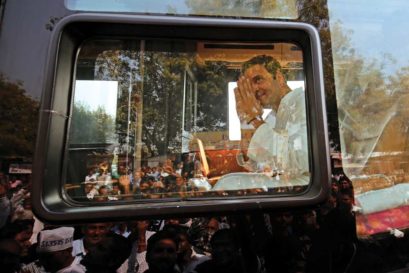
(10, 251)
(95, 233)
(161, 254)
(88, 186)
(103, 191)
(138, 175)
(122, 170)
(332, 200)
(212, 226)
(346, 198)
(334, 186)
(21, 231)
(267, 80)
(179, 181)
(345, 184)
(108, 255)
(142, 225)
(115, 189)
(144, 186)
(184, 246)
(3, 186)
(225, 249)
(179, 165)
(54, 248)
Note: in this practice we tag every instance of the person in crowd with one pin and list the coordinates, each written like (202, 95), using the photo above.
(54, 251)
(93, 234)
(161, 254)
(5, 204)
(179, 168)
(108, 255)
(137, 179)
(121, 229)
(92, 174)
(329, 205)
(21, 231)
(10, 251)
(279, 140)
(188, 256)
(226, 255)
(154, 172)
(345, 184)
(89, 189)
(139, 237)
(144, 188)
(188, 166)
(346, 198)
(334, 185)
(283, 249)
(206, 234)
(23, 210)
(103, 193)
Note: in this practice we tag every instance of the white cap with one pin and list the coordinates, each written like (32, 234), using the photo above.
(55, 239)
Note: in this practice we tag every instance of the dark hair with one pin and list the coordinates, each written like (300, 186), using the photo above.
(271, 64)
(108, 255)
(178, 230)
(224, 236)
(159, 236)
(12, 229)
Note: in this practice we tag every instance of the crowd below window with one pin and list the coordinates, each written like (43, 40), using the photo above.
(321, 239)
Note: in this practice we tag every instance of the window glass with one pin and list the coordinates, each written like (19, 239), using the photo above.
(248, 8)
(371, 58)
(187, 119)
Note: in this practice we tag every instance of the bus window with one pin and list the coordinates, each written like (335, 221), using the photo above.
(163, 119)
(177, 120)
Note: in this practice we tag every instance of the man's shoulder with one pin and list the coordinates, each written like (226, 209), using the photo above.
(294, 94)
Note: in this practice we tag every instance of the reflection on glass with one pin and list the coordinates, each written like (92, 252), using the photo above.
(249, 8)
(154, 123)
(372, 81)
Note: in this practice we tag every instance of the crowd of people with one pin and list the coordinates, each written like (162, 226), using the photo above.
(168, 179)
(310, 240)
(181, 178)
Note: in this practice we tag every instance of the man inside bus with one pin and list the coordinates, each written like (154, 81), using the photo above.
(279, 143)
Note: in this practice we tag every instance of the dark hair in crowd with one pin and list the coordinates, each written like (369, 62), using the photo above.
(10, 230)
(108, 255)
(159, 236)
(225, 236)
(178, 230)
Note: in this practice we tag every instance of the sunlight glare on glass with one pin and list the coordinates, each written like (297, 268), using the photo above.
(94, 94)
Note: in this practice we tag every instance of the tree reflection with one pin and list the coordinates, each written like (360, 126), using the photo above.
(19, 118)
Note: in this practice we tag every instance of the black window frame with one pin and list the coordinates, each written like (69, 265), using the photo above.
(52, 204)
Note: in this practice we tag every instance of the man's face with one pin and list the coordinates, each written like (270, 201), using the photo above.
(212, 226)
(23, 239)
(179, 181)
(184, 244)
(163, 256)
(265, 88)
(88, 188)
(54, 261)
(346, 199)
(94, 233)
